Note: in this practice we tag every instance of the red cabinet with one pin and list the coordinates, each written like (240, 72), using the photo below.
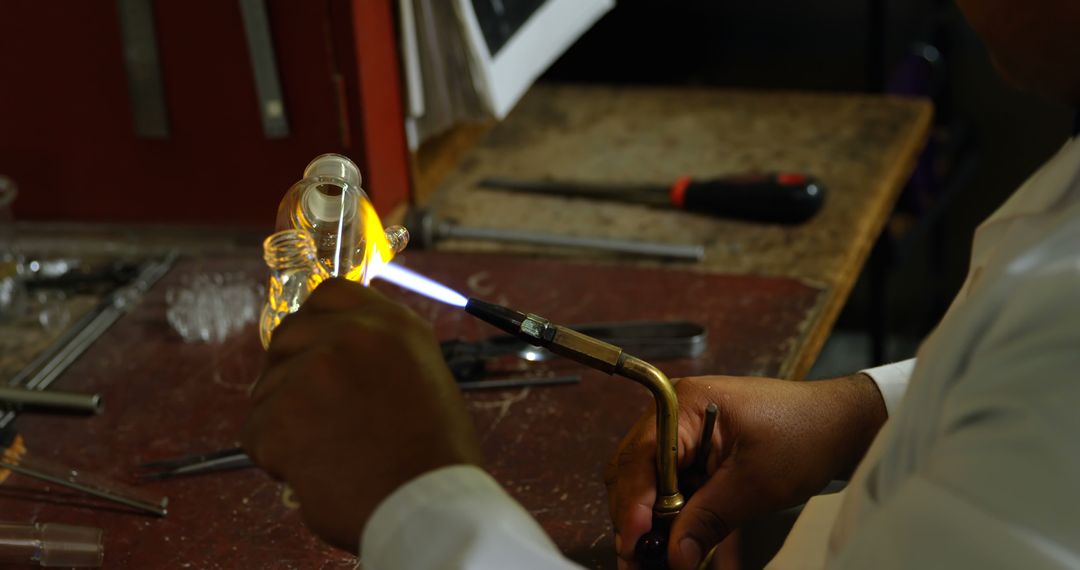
(67, 135)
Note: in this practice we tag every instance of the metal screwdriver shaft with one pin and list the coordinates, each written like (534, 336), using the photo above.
(708, 426)
(650, 249)
(430, 230)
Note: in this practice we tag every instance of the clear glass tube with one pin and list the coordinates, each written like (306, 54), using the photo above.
(51, 545)
(295, 271)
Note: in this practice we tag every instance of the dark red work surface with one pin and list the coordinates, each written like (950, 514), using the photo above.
(548, 446)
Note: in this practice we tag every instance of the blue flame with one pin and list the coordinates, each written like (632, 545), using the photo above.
(413, 281)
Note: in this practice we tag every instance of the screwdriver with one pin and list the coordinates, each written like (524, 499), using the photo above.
(784, 198)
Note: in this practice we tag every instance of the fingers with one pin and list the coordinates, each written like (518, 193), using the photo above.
(300, 333)
(630, 478)
(339, 312)
(631, 497)
(631, 474)
(707, 518)
(260, 430)
(270, 436)
(336, 295)
(631, 482)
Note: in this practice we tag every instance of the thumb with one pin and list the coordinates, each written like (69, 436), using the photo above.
(710, 514)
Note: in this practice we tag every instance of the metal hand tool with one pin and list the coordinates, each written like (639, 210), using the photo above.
(704, 448)
(145, 88)
(427, 231)
(77, 479)
(18, 399)
(655, 340)
(267, 85)
(699, 474)
(159, 508)
(49, 365)
(785, 198)
(694, 477)
(221, 460)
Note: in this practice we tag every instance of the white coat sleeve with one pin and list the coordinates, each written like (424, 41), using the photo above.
(892, 381)
(456, 517)
(1001, 485)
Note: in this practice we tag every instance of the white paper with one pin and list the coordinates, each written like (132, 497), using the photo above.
(502, 78)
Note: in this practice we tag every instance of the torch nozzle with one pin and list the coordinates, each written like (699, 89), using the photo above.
(498, 316)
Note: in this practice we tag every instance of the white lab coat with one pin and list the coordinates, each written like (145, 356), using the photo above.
(978, 467)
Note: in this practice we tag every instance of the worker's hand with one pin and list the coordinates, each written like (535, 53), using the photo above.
(354, 400)
(777, 443)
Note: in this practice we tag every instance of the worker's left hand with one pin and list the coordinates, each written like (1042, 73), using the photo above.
(354, 400)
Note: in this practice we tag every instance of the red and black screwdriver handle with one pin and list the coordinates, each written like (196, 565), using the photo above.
(783, 198)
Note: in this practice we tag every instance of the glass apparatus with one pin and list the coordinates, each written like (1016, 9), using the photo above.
(50, 545)
(326, 227)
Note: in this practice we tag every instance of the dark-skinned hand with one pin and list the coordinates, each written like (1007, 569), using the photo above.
(777, 443)
(354, 400)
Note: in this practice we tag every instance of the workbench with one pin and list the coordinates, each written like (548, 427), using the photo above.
(861, 147)
(767, 294)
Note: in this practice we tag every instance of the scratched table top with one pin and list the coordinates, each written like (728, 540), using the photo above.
(767, 294)
(547, 445)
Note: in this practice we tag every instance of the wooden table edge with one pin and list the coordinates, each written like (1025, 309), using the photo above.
(835, 296)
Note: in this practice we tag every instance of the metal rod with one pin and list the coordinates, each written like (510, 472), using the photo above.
(263, 65)
(159, 510)
(52, 369)
(708, 426)
(238, 460)
(18, 398)
(110, 310)
(69, 335)
(651, 249)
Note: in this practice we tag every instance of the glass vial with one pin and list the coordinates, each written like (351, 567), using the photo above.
(295, 271)
(50, 545)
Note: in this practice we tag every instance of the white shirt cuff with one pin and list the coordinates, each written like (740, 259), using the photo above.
(455, 517)
(892, 381)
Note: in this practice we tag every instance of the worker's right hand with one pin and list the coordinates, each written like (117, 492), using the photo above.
(777, 443)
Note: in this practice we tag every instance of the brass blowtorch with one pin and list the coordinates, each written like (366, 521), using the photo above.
(651, 550)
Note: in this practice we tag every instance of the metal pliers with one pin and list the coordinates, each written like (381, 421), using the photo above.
(652, 340)
(221, 460)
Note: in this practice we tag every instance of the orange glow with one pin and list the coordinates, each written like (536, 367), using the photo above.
(377, 250)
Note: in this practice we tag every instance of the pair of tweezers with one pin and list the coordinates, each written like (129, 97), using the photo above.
(221, 460)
